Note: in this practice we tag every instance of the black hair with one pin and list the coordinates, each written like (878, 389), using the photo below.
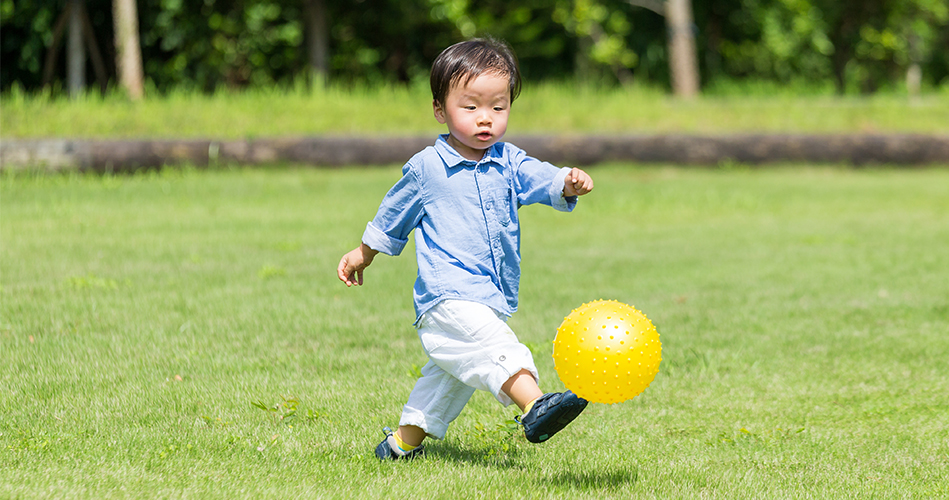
(465, 61)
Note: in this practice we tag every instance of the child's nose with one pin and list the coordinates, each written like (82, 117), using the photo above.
(484, 118)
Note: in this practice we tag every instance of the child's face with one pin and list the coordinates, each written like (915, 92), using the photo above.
(476, 114)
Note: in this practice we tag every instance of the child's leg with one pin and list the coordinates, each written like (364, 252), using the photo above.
(436, 400)
(457, 336)
(522, 389)
(472, 343)
(411, 435)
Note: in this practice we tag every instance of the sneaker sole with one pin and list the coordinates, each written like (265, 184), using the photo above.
(563, 415)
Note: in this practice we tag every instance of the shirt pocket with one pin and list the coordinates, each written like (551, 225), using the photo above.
(502, 204)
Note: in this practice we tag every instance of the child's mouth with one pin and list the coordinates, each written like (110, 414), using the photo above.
(484, 136)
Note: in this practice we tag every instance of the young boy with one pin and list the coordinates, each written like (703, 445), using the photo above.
(460, 197)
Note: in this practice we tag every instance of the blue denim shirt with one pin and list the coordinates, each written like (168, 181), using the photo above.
(464, 215)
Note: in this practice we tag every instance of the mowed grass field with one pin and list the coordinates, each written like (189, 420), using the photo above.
(183, 335)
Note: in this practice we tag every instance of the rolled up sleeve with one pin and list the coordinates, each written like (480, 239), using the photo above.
(377, 239)
(557, 200)
(398, 214)
(541, 182)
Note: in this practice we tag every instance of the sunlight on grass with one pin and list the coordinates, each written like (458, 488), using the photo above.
(554, 108)
(182, 334)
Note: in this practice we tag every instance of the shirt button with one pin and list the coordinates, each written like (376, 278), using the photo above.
(502, 358)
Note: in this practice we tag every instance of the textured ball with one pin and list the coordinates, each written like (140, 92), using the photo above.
(607, 352)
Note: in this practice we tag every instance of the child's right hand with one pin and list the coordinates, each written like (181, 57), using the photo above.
(352, 264)
(577, 183)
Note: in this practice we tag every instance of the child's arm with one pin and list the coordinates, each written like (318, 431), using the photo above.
(577, 183)
(399, 213)
(352, 264)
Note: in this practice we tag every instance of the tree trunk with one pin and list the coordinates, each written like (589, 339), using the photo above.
(914, 79)
(583, 66)
(128, 51)
(317, 40)
(683, 62)
(75, 51)
(914, 74)
(49, 65)
(95, 56)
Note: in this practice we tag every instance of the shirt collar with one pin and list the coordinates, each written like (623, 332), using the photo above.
(453, 159)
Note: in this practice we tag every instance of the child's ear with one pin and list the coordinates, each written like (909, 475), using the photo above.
(439, 111)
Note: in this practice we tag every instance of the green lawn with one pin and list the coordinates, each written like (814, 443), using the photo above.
(542, 108)
(146, 319)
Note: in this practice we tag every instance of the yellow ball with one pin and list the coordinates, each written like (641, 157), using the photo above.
(607, 352)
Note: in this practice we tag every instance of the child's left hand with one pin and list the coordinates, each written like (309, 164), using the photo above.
(577, 183)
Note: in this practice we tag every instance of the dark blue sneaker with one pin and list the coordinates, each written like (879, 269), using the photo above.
(388, 449)
(551, 413)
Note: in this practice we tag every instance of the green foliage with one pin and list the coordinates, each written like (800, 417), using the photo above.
(498, 439)
(788, 39)
(602, 31)
(207, 44)
(285, 411)
(858, 46)
(26, 34)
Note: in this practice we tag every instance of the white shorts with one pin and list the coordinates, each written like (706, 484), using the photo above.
(469, 346)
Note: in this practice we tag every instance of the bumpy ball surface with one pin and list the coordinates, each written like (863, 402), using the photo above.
(607, 352)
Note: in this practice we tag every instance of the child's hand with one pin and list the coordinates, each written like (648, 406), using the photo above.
(577, 183)
(353, 263)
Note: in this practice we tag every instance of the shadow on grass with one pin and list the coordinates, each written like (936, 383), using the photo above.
(566, 477)
(486, 456)
(591, 480)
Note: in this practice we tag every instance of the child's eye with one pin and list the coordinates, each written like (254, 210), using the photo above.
(498, 108)
(470, 108)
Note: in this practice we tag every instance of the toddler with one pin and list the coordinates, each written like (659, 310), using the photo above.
(461, 198)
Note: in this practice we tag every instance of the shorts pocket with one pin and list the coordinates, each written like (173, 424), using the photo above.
(429, 334)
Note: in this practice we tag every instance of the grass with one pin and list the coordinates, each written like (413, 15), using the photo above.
(543, 108)
(182, 334)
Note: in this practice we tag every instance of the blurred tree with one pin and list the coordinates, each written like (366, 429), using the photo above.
(208, 44)
(317, 40)
(543, 48)
(601, 29)
(75, 49)
(901, 40)
(128, 61)
(73, 22)
(845, 20)
(683, 65)
(379, 41)
(232, 43)
(783, 40)
(858, 45)
(682, 58)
